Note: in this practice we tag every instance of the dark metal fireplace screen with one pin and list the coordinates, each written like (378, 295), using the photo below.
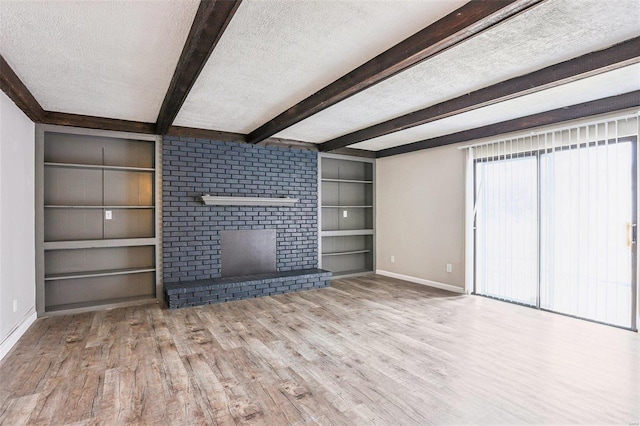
(248, 252)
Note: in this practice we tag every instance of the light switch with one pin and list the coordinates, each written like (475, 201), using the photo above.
(344, 213)
(108, 215)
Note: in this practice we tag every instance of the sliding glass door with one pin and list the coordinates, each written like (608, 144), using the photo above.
(555, 226)
(507, 229)
(587, 198)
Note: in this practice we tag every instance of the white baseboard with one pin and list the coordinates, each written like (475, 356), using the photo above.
(17, 332)
(422, 281)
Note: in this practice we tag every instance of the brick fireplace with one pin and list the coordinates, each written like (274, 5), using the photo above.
(192, 232)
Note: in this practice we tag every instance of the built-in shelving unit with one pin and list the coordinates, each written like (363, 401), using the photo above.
(347, 206)
(97, 219)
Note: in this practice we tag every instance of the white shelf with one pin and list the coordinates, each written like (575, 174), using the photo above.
(346, 180)
(351, 273)
(211, 200)
(346, 232)
(96, 166)
(347, 207)
(80, 244)
(80, 307)
(91, 274)
(51, 206)
(342, 253)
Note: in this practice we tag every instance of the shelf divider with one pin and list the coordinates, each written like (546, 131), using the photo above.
(79, 307)
(52, 206)
(81, 244)
(91, 274)
(96, 166)
(346, 232)
(347, 207)
(341, 253)
(346, 180)
(344, 274)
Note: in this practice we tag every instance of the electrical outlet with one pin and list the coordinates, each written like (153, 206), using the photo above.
(15, 305)
(449, 267)
(108, 215)
(344, 213)
(393, 259)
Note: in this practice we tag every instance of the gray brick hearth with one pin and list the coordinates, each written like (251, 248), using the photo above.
(204, 292)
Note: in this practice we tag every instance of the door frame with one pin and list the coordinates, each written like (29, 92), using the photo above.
(634, 223)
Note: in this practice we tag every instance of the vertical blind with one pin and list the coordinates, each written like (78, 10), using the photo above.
(551, 220)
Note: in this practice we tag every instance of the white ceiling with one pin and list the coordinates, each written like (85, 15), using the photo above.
(552, 32)
(274, 54)
(613, 83)
(115, 59)
(102, 58)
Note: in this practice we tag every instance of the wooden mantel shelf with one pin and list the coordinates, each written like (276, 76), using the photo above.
(211, 200)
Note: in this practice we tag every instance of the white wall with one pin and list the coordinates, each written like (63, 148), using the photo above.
(17, 221)
(420, 215)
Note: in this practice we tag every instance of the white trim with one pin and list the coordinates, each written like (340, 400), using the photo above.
(319, 207)
(442, 286)
(17, 332)
(470, 213)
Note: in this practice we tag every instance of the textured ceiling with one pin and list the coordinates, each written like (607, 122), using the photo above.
(275, 53)
(103, 58)
(115, 59)
(554, 31)
(616, 82)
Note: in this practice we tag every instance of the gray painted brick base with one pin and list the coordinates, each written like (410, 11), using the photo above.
(204, 292)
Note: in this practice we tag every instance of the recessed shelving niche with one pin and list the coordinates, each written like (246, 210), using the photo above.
(347, 220)
(97, 219)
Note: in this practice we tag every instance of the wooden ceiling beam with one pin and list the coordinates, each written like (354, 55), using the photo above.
(209, 24)
(11, 84)
(102, 123)
(217, 135)
(591, 64)
(573, 112)
(355, 152)
(289, 143)
(463, 23)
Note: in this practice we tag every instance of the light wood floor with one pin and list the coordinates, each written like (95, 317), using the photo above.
(372, 350)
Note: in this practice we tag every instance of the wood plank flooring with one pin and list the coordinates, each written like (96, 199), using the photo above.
(370, 350)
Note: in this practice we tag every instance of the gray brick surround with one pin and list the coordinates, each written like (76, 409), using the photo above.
(191, 230)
